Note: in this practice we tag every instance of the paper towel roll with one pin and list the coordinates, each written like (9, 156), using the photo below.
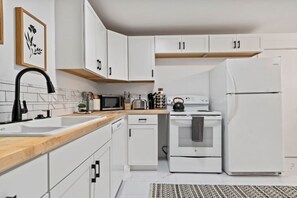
(96, 104)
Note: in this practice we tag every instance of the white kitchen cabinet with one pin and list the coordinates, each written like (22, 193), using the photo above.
(181, 44)
(142, 141)
(77, 184)
(90, 180)
(95, 42)
(46, 196)
(81, 40)
(279, 41)
(195, 43)
(234, 43)
(141, 58)
(65, 159)
(15, 182)
(101, 186)
(117, 56)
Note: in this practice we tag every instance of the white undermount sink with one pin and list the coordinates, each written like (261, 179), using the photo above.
(46, 127)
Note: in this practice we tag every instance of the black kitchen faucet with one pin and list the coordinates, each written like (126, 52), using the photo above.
(17, 110)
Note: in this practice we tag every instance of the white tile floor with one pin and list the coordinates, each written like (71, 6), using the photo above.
(136, 184)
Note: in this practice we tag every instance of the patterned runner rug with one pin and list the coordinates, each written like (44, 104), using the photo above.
(219, 191)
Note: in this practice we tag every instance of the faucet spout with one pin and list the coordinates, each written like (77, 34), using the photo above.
(17, 110)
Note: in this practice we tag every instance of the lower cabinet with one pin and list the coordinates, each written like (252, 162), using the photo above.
(46, 196)
(101, 183)
(77, 184)
(26, 181)
(143, 141)
(90, 180)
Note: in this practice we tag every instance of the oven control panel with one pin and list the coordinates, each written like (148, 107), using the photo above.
(190, 99)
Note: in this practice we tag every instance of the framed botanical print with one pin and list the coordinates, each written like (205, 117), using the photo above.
(1, 23)
(30, 40)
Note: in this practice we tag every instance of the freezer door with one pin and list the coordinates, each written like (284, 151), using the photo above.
(253, 75)
(253, 136)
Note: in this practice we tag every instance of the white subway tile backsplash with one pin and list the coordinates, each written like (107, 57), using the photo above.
(2, 96)
(64, 101)
(30, 97)
(36, 90)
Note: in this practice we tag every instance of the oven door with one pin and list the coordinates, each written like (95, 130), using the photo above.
(180, 137)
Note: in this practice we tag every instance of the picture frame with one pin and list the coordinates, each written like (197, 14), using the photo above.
(30, 40)
(1, 23)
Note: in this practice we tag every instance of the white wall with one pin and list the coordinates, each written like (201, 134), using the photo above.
(174, 75)
(44, 10)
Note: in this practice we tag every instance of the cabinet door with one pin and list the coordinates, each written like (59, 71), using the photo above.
(141, 58)
(248, 42)
(143, 145)
(167, 44)
(46, 195)
(195, 44)
(29, 180)
(77, 184)
(90, 36)
(101, 47)
(102, 161)
(117, 56)
(222, 43)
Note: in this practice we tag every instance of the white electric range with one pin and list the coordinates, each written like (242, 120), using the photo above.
(195, 136)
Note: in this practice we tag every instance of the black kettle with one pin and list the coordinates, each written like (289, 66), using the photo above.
(178, 104)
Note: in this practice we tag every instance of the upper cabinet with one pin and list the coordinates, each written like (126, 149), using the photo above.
(181, 44)
(141, 58)
(234, 43)
(81, 47)
(95, 42)
(117, 56)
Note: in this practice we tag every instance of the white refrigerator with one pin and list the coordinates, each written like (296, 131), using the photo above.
(248, 93)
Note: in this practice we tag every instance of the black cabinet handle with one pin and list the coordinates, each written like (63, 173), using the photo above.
(97, 162)
(142, 119)
(99, 66)
(238, 44)
(184, 45)
(179, 45)
(129, 132)
(110, 72)
(12, 197)
(152, 73)
(234, 46)
(94, 178)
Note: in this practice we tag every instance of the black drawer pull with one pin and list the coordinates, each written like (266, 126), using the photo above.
(12, 197)
(142, 119)
(98, 168)
(234, 46)
(94, 178)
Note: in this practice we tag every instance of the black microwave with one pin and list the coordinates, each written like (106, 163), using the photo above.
(111, 102)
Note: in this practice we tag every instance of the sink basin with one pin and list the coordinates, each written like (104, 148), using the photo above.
(46, 127)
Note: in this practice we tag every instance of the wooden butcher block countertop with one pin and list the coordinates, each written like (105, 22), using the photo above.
(17, 150)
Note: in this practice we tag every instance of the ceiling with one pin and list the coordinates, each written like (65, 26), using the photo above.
(153, 17)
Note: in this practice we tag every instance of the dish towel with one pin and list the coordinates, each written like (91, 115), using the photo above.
(197, 129)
